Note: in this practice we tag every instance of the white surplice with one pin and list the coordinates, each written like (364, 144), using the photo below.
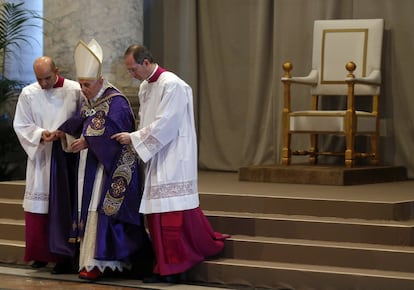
(166, 142)
(39, 110)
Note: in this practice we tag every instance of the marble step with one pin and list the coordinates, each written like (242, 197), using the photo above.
(285, 204)
(11, 208)
(12, 189)
(251, 274)
(11, 229)
(337, 254)
(280, 203)
(313, 228)
(12, 251)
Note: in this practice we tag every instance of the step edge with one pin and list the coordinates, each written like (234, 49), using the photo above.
(287, 197)
(9, 221)
(305, 218)
(323, 244)
(14, 243)
(313, 268)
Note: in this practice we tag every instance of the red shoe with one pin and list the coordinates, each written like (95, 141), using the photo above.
(92, 275)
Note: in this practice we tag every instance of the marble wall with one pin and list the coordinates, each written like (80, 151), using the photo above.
(114, 24)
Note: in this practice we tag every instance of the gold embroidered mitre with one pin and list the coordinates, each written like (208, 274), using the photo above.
(88, 60)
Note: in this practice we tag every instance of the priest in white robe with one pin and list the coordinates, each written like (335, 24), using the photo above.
(167, 145)
(41, 108)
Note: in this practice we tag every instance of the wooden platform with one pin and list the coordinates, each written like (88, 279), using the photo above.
(322, 175)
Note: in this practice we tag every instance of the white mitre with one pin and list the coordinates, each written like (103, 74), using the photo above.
(88, 60)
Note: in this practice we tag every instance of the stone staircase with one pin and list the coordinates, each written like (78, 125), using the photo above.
(281, 242)
(12, 235)
(303, 244)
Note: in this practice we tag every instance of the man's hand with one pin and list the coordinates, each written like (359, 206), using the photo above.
(60, 134)
(123, 138)
(48, 136)
(79, 144)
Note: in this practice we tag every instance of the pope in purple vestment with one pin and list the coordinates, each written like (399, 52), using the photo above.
(120, 234)
(106, 220)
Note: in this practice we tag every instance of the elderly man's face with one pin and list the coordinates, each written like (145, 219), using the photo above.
(90, 88)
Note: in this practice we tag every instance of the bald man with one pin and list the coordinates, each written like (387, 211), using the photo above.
(43, 106)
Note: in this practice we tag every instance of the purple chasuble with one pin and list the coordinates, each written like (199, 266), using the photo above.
(120, 231)
(61, 196)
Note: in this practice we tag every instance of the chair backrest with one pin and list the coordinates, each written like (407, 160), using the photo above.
(336, 42)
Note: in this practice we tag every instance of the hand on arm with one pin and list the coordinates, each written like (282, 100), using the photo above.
(123, 138)
(60, 134)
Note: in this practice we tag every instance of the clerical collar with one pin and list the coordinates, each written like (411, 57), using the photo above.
(59, 82)
(101, 91)
(155, 74)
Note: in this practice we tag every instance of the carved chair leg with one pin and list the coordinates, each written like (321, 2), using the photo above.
(350, 149)
(349, 152)
(286, 151)
(374, 149)
(313, 158)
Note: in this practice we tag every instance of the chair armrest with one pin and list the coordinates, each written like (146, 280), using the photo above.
(311, 79)
(374, 78)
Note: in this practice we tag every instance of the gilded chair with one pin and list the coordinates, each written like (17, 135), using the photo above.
(346, 61)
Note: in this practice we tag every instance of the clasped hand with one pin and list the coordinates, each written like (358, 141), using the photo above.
(48, 136)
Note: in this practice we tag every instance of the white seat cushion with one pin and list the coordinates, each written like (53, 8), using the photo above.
(329, 121)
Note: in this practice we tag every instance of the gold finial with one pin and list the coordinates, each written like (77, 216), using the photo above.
(287, 67)
(350, 67)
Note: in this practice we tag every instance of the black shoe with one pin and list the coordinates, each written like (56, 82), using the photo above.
(152, 279)
(172, 279)
(38, 264)
(63, 268)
